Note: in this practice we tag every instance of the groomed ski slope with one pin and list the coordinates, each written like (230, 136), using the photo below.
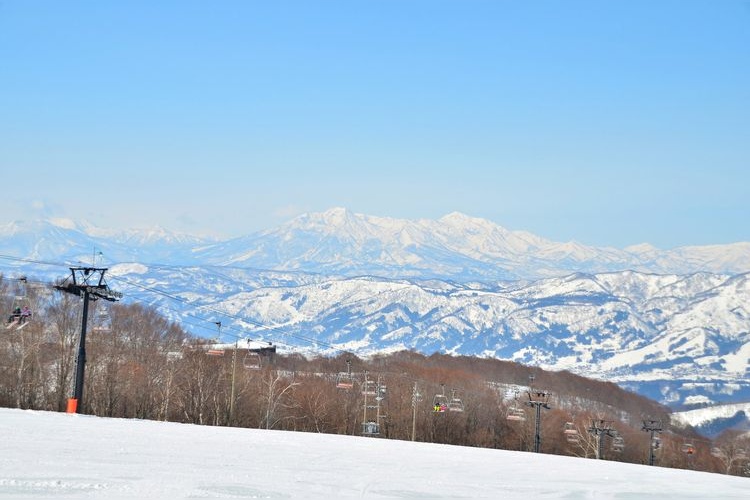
(47, 454)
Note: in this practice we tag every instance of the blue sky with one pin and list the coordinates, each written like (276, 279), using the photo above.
(610, 123)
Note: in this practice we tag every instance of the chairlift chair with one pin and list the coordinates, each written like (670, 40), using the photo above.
(516, 414)
(571, 432)
(214, 351)
(440, 403)
(618, 444)
(370, 388)
(20, 314)
(344, 380)
(102, 320)
(252, 361)
(370, 428)
(455, 404)
(381, 392)
(570, 429)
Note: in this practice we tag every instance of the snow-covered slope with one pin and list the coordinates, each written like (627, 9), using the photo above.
(703, 417)
(53, 454)
(712, 420)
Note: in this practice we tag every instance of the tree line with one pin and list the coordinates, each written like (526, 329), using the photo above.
(141, 365)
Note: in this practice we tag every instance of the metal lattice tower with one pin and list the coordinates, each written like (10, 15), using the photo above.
(375, 389)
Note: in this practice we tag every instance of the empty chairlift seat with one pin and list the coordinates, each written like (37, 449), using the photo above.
(344, 380)
(571, 432)
(252, 361)
(618, 444)
(455, 404)
(516, 414)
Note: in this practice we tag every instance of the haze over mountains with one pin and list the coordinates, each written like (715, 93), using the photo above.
(671, 324)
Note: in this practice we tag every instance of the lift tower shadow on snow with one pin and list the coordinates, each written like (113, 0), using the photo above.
(86, 282)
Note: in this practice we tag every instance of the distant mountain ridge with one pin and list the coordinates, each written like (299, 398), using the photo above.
(672, 325)
(455, 246)
(67, 241)
(338, 241)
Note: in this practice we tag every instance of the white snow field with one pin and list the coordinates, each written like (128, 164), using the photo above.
(46, 454)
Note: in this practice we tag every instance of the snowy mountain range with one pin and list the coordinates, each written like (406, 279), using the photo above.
(673, 325)
(454, 247)
(64, 240)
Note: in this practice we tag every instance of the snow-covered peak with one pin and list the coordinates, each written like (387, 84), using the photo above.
(461, 220)
(336, 216)
(641, 248)
(158, 235)
(63, 223)
(456, 246)
(337, 220)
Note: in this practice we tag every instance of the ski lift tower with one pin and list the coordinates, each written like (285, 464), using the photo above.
(652, 426)
(88, 283)
(538, 399)
(416, 397)
(377, 390)
(601, 428)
